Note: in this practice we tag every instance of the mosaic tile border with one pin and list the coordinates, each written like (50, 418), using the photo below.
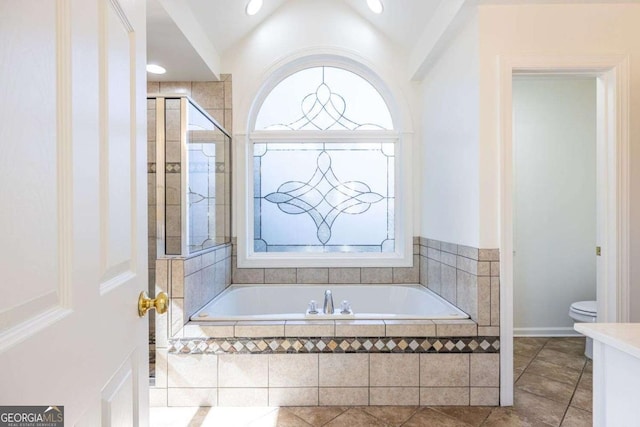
(334, 345)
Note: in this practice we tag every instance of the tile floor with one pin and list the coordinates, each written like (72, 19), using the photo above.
(552, 388)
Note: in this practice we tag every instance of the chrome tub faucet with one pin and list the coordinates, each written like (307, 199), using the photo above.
(328, 302)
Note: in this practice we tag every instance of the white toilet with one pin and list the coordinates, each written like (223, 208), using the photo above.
(585, 312)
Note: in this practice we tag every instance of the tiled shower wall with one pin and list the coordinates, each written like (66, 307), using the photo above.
(467, 277)
(215, 99)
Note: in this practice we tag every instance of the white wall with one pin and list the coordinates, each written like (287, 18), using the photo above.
(555, 29)
(554, 134)
(449, 122)
(307, 27)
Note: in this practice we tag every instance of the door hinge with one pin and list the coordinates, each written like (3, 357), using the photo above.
(598, 251)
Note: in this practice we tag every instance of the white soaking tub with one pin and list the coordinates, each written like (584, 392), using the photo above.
(290, 302)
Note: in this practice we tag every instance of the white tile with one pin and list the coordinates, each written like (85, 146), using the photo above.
(293, 370)
(216, 330)
(305, 396)
(243, 370)
(192, 397)
(176, 310)
(243, 397)
(193, 370)
(161, 367)
(157, 397)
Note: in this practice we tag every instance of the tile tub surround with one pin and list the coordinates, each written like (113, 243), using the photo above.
(539, 402)
(191, 283)
(325, 379)
(467, 277)
(454, 344)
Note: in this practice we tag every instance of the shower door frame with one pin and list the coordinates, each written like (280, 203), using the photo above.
(613, 174)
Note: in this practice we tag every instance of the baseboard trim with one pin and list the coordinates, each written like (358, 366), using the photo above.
(545, 332)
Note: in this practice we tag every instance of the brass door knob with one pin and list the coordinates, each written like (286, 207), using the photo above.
(160, 303)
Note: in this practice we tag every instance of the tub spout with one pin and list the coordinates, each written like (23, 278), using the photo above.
(328, 302)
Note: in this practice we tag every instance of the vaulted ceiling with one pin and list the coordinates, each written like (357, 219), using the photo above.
(196, 34)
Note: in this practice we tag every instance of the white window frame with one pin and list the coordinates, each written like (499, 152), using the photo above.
(403, 253)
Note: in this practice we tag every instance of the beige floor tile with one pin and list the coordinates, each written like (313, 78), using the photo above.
(559, 358)
(317, 415)
(586, 381)
(473, 416)
(427, 417)
(582, 399)
(577, 418)
(355, 417)
(509, 417)
(538, 408)
(554, 372)
(521, 361)
(517, 373)
(573, 346)
(528, 346)
(392, 415)
(545, 387)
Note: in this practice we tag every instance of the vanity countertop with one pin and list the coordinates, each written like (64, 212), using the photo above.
(621, 336)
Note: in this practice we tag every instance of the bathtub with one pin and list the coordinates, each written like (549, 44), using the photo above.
(290, 302)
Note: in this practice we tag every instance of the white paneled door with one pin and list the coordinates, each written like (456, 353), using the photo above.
(73, 254)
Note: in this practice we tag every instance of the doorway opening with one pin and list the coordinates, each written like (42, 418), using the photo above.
(611, 74)
(554, 200)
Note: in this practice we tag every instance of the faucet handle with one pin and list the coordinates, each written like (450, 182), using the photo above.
(345, 307)
(313, 307)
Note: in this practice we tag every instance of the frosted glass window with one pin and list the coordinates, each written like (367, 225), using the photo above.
(324, 197)
(324, 98)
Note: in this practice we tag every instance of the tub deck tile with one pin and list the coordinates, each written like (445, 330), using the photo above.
(249, 329)
(409, 328)
(311, 328)
(214, 330)
(456, 328)
(360, 328)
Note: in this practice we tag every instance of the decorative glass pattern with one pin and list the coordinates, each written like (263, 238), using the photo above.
(324, 98)
(324, 197)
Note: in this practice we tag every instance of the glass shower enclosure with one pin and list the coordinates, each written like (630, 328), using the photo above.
(193, 186)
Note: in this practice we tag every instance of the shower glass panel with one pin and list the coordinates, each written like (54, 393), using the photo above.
(194, 204)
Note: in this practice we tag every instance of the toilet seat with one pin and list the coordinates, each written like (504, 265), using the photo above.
(585, 308)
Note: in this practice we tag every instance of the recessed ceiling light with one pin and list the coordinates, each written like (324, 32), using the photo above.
(155, 69)
(253, 7)
(375, 6)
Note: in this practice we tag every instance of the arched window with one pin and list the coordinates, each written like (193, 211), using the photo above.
(324, 179)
